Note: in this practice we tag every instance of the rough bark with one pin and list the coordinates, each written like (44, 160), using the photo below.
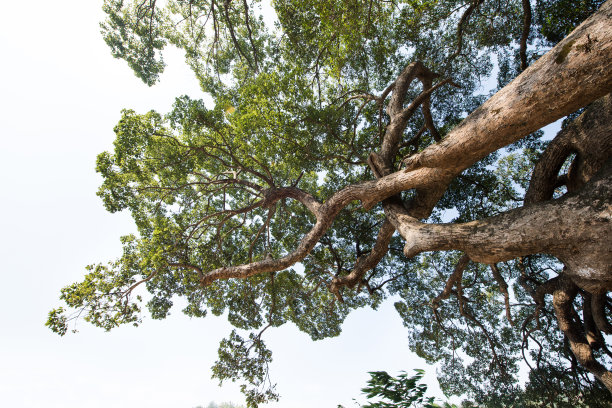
(589, 137)
(571, 75)
(563, 298)
(575, 228)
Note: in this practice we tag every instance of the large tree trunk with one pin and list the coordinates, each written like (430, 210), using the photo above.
(577, 228)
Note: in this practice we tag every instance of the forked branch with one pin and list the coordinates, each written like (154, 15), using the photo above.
(504, 119)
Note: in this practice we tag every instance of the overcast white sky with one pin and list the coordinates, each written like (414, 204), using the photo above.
(61, 93)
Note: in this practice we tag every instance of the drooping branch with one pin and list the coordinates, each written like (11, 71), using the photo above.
(241, 52)
(598, 308)
(503, 288)
(248, 26)
(591, 331)
(452, 280)
(465, 18)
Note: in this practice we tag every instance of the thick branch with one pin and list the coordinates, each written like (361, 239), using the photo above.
(366, 262)
(398, 114)
(575, 228)
(592, 333)
(598, 308)
(568, 77)
(426, 108)
(589, 136)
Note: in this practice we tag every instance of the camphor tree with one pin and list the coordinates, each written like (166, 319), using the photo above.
(338, 143)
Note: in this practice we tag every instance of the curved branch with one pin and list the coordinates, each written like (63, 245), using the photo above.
(452, 280)
(426, 108)
(230, 26)
(272, 195)
(135, 285)
(186, 266)
(248, 26)
(592, 333)
(462, 21)
(505, 118)
(503, 288)
(366, 262)
(589, 136)
(395, 108)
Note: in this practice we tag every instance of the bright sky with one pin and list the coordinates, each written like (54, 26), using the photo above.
(61, 93)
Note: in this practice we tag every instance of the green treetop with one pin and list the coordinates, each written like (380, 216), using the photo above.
(337, 143)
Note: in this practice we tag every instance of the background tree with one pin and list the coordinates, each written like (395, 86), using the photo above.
(402, 391)
(331, 138)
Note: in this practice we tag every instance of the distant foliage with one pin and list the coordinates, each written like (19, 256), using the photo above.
(399, 392)
(213, 404)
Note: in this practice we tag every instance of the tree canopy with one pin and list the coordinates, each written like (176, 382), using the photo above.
(351, 155)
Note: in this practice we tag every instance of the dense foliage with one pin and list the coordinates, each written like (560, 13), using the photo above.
(294, 112)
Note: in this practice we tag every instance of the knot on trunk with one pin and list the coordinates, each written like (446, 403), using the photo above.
(271, 196)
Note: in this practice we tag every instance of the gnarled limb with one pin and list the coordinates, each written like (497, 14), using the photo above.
(589, 137)
(575, 228)
(563, 298)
